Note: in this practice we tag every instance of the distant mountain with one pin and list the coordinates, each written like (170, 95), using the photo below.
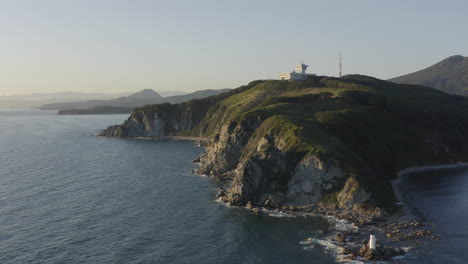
(145, 94)
(140, 98)
(125, 104)
(449, 75)
(171, 93)
(30, 101)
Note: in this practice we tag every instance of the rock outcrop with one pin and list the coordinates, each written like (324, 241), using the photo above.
(152, 124)
(223, 152)
(312, 178)
(260, 171)
(352, 195)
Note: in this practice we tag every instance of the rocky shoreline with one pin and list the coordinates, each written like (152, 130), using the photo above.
(396, 234)
(199, 141)
(326, 146)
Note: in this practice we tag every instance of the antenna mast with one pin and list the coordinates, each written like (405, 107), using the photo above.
(340, 64)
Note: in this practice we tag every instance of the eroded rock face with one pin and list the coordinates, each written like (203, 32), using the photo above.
(259, 180)
(274, 179)
(261, 172)
(312, 177)
(257, 170)
(150, 124)
(223, 152)
(353, 195)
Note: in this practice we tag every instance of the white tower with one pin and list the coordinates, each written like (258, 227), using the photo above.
(301, 68)
(299, 73)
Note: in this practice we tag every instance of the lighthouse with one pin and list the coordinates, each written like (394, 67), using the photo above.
(299, 73)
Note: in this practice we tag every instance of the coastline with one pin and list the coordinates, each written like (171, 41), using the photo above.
(402, 175)
(397, 234)
(197, 139)
(405, 230)
(189, 138)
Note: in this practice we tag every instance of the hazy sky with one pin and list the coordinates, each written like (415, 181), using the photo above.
(121, 46)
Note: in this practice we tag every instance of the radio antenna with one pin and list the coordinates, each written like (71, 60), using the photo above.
(340, 64)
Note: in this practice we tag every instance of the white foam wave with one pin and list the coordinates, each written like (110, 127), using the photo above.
(280, 214)
(342, 225)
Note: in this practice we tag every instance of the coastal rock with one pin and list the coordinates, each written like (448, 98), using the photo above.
(152, 124)
(256, 181)
(340, 238)
(352, 195)
(380, 253)
(312, 177)
(223, 152)
(262, 172)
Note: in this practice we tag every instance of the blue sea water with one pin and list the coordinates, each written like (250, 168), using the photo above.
(442, 197)
(67, 196)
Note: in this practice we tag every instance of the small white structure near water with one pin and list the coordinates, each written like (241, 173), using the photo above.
(372, 242)
(299, 74)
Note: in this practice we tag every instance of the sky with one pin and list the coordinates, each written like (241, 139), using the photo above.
(115, 46)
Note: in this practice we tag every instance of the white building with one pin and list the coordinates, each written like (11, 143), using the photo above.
(299, 74)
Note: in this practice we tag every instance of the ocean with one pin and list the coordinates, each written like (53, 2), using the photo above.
(67, 196)
(441, 196)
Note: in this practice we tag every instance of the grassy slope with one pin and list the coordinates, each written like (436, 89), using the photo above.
(358, 120)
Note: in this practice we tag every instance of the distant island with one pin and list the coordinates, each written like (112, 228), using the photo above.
(124, 104)
(100, 110)
(449, 75)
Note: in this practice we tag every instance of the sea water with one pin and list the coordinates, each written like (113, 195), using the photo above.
(67, 196)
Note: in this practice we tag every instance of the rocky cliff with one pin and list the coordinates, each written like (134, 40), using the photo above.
(334, 142)
(165, 121)
(261, 171)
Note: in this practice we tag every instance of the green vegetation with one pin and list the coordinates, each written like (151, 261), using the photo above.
(373, 127)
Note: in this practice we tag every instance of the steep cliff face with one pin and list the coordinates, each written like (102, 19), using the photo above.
(152, 124)
(323, 141)
(352, 195)
(224, 151)
(312, 178)
(172, 119)
(274, 179)
(260, 168)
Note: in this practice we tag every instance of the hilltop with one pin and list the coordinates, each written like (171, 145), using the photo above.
(326, 141)
(145, 94)
(449, 75)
